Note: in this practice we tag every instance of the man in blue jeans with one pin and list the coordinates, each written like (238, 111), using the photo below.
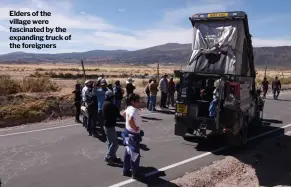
(153, 95)
(109, 115)
(100, 93)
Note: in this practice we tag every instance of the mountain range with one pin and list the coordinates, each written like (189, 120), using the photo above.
(170, 53)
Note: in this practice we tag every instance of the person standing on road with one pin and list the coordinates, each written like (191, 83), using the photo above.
(118, 95)
(129, 88)
(78, 100)
(110, 114)
(164, 87)
(153, 95)
(147, 91)
(100, 93)
(91, 103)
(85, 118)
(171, 92)
(276, 87)
(265, 87)
(132, 136)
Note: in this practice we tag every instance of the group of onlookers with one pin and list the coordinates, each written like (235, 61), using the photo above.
(100, 105)
(167, 88)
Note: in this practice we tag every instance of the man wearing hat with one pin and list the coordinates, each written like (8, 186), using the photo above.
(129, 89)
(110, 114)
(129, 86)
(100, 93)
(164, 87)
(87, 83)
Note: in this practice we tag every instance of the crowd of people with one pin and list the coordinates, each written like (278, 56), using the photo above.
(100, 106)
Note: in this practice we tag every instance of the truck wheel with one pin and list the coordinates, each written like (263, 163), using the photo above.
(239, 139)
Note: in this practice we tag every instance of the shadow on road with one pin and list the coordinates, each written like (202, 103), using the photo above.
(286, 100)
(269, 155)
(155, 180)
(152, 118)
(165, 111)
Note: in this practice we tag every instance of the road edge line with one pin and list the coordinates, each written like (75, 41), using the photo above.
(194, 158)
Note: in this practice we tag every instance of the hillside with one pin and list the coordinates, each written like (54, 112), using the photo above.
(167, 53)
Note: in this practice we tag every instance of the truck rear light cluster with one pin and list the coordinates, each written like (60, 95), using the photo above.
(233, 88)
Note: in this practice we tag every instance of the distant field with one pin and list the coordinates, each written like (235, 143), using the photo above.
(64, 72)
(32, 93)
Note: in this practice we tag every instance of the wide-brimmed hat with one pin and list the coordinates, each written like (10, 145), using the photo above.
(99, 79)
(130, 80)
(103, 82)
(88, 81)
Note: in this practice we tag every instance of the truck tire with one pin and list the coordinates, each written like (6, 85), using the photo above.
(239, 139)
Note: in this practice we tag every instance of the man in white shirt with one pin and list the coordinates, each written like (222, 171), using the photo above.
(164, 88)
(132, 138)
(87, 82)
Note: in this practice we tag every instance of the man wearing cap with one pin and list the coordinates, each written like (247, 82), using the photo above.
(164, 87)
(110, 114)
(100, 93)
(91, 105)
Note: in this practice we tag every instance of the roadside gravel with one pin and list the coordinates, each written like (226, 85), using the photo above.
(266, 164)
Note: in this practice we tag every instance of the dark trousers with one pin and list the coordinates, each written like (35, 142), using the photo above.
(101, 122)
(112, 142)
(78, 111)
(148, 101)
(276, 92)
(265, 91)
(91, 122)
(163, 99)
(128, 163)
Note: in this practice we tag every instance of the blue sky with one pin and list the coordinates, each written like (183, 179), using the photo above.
(137, 24)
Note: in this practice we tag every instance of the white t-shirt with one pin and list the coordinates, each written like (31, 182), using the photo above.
(84, 92)
(132, 112)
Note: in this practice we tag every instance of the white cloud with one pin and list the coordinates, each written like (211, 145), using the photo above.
(103, 35)
(121, 10)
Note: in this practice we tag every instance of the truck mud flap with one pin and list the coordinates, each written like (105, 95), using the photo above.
(180, 130)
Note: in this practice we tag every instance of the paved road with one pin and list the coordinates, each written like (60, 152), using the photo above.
(61, 154)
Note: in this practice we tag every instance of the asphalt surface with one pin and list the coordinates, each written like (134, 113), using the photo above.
(61, 153)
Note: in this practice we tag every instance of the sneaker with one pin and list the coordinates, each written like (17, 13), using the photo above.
(109, 161)
(127, 173)
(117, 160)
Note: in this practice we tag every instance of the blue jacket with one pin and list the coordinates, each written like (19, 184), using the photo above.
(100, 93)
(212, 108)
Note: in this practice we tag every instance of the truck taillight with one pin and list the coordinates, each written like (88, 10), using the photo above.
(234, 88)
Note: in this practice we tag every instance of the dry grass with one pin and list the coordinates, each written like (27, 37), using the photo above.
(9, 85)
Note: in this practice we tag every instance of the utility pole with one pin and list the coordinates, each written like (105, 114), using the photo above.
(158, 69)
(84, 73)
(266, 71)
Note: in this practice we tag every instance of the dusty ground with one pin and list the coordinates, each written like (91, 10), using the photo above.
(267, 164)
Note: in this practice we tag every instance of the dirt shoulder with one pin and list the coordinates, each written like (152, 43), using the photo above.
(267, 164)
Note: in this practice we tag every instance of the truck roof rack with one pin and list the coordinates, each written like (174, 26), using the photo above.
(219, 16)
